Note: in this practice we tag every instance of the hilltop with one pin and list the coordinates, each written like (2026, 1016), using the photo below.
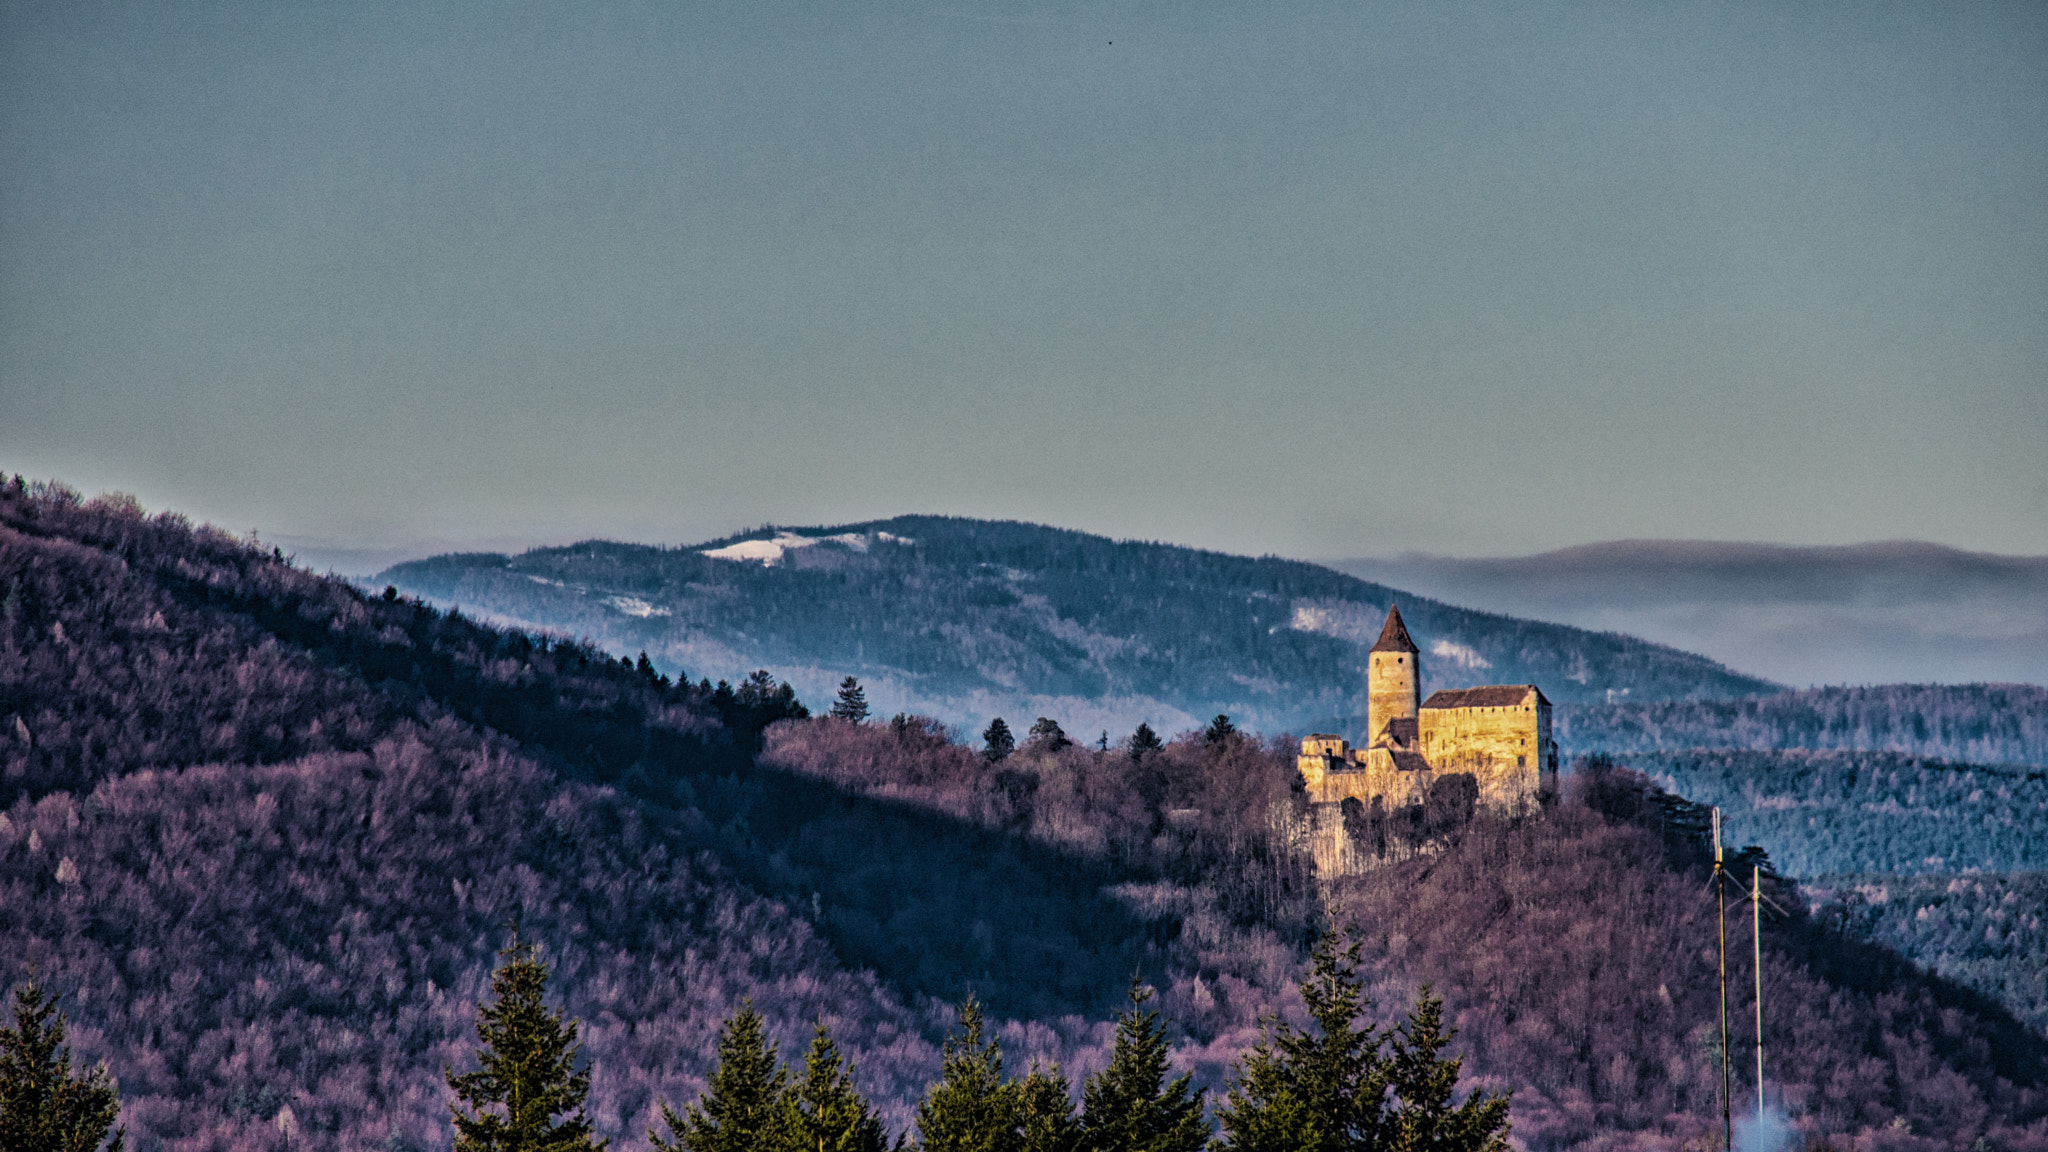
(967, 619)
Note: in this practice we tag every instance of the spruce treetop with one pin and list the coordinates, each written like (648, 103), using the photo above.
(43, 1107)
(745, 1107)
(528, 1074)
(971, 1108)
(852, 702)
(826, 1112)
(1130, 1106)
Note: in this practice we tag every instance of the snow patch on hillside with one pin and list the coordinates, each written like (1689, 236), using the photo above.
(769, 553)
(1452, 652)
(634, 606)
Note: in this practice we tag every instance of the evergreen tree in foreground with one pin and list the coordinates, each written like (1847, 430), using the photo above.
(1424, 1083)
(826, 1112)
(745, 1107)
(43, 1107)
(1045, 1113)
(971, 1108)
(528, 1073)
(1129, 1106)
(997, 743)
(1330, 1089)
(852, 704)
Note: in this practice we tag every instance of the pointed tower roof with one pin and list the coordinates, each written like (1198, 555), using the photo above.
(1394, 637)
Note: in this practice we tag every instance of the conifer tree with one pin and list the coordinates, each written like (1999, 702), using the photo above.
(1047, 732)
(1129, 1106)
(528, 1074)
(1336, 1089)
(1220, 729)
(826, 1112)
(1423, 1082)
(852, 704)
(1045, 1113)
(997, 743)
(43, 1107)
(1144, 742)
(746, 1105)
(1320, 1090)
(971, 1108)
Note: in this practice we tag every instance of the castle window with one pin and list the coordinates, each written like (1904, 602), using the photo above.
(1518, 762)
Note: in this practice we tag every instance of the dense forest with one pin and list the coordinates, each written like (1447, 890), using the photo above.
(1984, 930)
(964, 619)
(1975, 723)
(263, 832)
(1822, 812)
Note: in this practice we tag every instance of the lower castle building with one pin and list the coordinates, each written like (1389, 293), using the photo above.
(1499, 735)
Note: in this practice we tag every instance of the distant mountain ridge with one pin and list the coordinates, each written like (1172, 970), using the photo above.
(1885, 612)
(967, 619)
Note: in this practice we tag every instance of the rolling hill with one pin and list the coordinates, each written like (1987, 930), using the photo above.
(964, 620)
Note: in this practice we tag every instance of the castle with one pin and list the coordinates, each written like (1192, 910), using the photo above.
(1499, 735)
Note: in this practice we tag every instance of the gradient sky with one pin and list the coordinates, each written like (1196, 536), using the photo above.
(1320, 280)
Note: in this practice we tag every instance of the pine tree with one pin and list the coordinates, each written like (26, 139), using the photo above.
(826, 1112)
(1046, 733)
(43, 1107)
(1045, 1113)
(746, 1105)
(1313, 1091)
(997, 743)
(852, 704)
(971, 1108)
(1220, 729)
(1129, 1106)
(1424, 1082)
(528, 1073)
(1144, 742)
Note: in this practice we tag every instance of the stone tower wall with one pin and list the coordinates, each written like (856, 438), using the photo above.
(1393, 683)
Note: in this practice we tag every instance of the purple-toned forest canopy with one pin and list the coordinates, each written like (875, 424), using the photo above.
(264, 834)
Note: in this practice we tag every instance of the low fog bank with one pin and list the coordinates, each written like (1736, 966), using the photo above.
(1863, 614)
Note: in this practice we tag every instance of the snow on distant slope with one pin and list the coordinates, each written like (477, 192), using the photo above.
(770, 552)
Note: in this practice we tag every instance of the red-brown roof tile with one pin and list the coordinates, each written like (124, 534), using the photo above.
(1394, 637)
(1490, 696)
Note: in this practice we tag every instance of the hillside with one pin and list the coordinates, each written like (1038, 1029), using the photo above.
(264, 832)
(965, 619)
(1980, 723)
(1827, 812)
(1859, 614)
(1983, 930)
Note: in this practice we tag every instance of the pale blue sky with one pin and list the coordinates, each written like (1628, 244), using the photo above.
(1320, 280)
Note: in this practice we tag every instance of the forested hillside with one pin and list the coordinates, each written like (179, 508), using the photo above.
(264, 831)
(1823, 812)
(1988, 931)
(966, 619)
(1978, 723)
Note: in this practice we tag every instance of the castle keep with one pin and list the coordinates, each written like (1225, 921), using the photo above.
(1499, 734)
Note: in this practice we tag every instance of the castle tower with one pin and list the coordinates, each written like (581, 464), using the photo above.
(1393, 678)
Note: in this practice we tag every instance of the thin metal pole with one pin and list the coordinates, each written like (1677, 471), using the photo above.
(1756, 937)
(1727, 1083)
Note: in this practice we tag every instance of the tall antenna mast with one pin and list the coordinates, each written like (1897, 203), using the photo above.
(1756, 943)
(1721, 894)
